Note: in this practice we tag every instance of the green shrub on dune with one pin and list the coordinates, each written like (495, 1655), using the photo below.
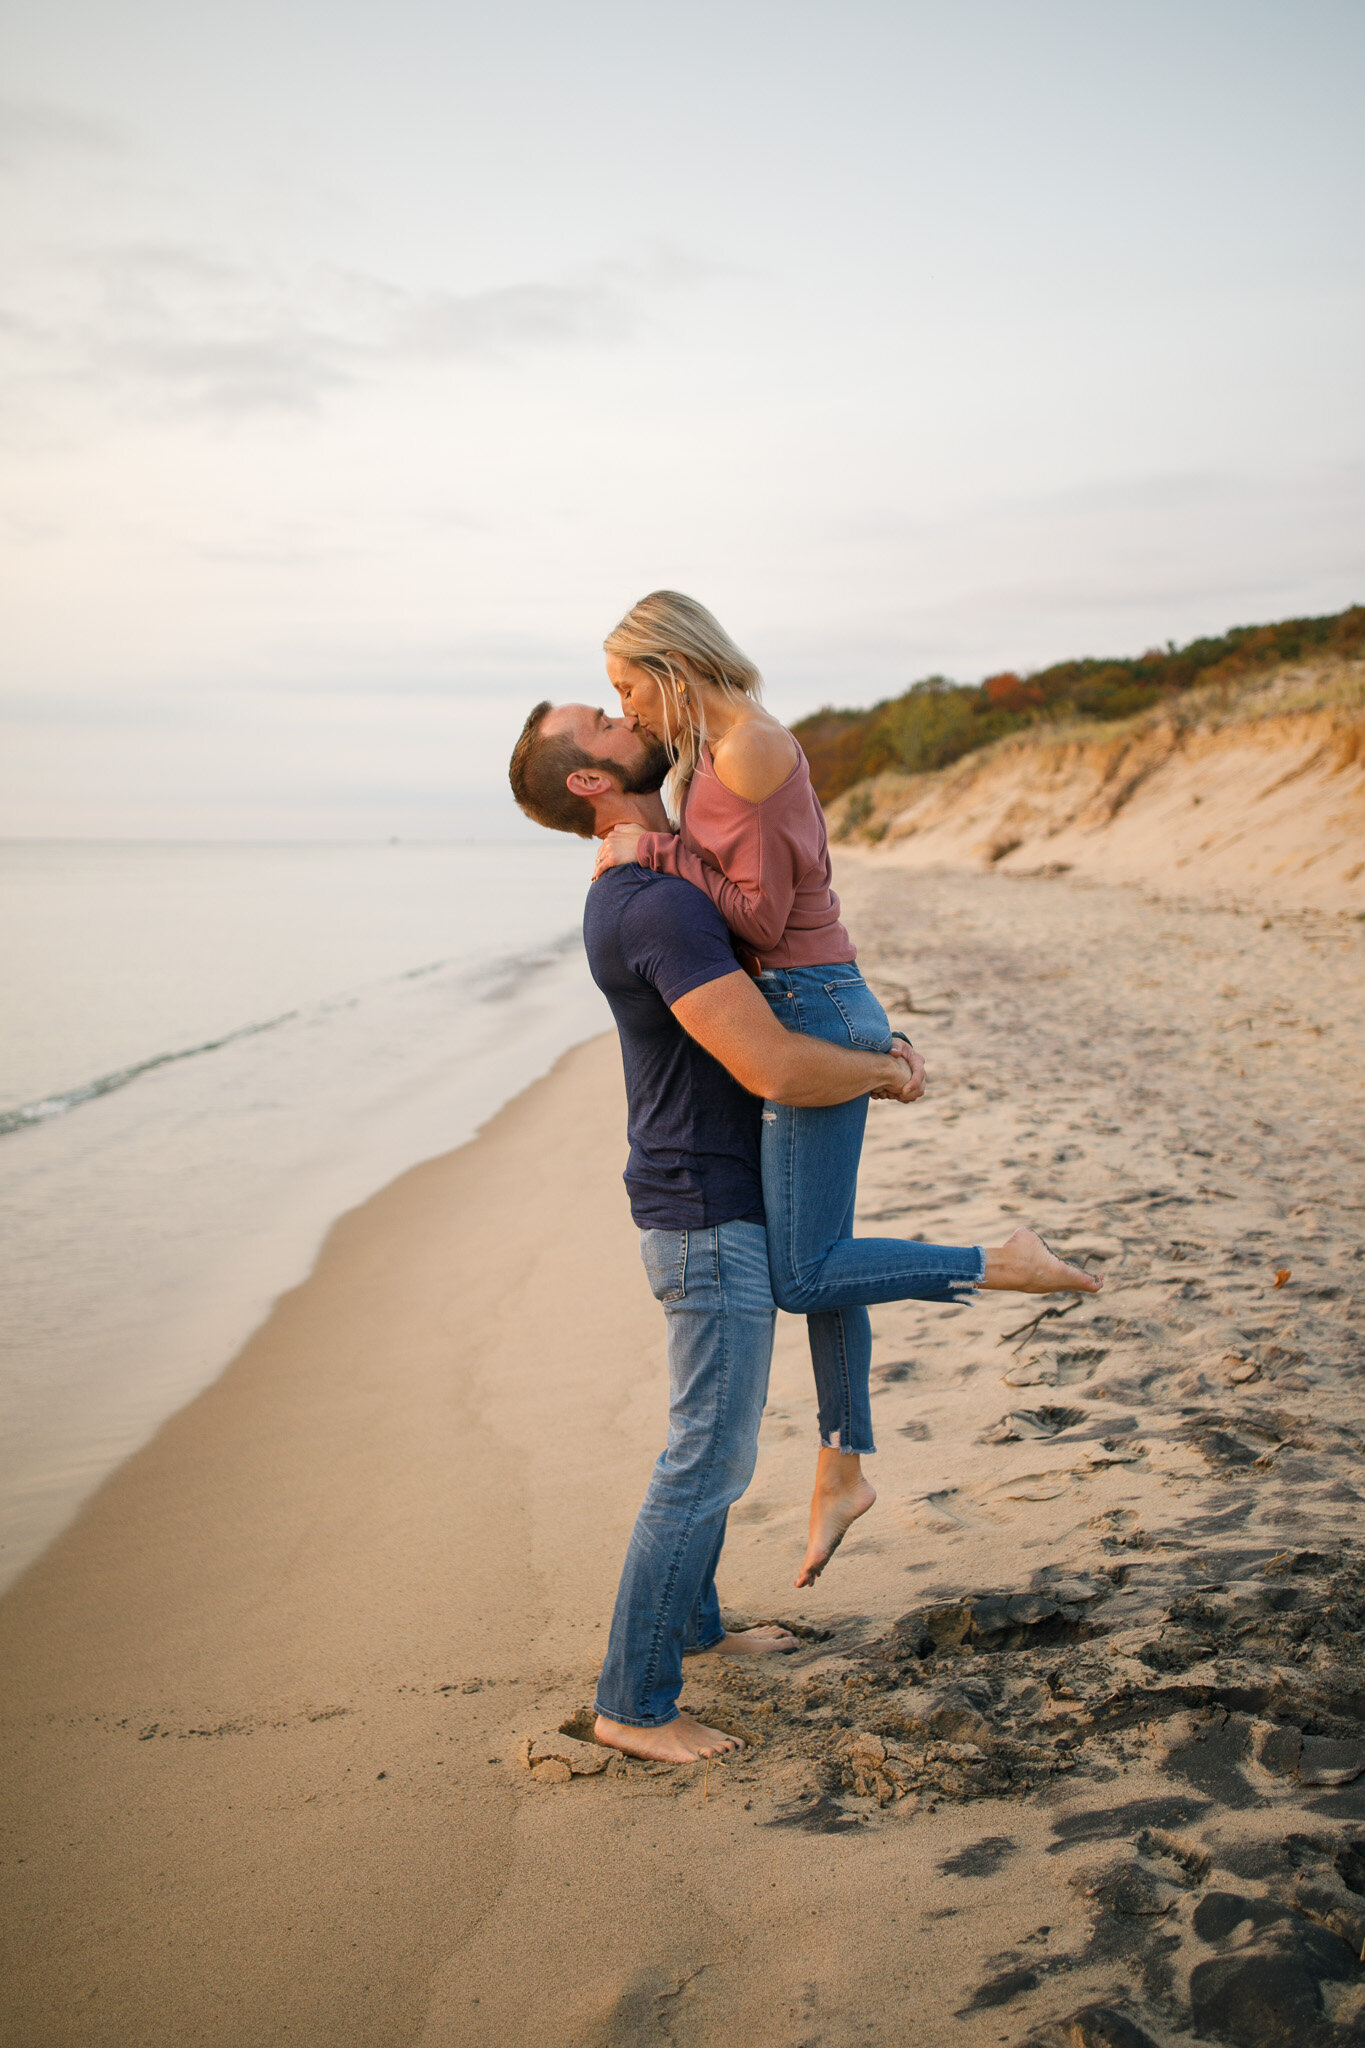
(937, 721)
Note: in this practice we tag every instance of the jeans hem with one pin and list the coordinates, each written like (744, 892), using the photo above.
(630, 1720)
(848, 1450)
(695, 1649)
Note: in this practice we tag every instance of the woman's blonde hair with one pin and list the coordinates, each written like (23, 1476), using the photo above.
(663, 631)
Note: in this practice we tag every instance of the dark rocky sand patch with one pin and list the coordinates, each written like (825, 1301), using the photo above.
(1227, 1904)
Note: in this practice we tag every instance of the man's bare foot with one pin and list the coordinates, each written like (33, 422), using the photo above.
(841, 1495)
(1025, 1265)
(766, 1641)
(684, 1741)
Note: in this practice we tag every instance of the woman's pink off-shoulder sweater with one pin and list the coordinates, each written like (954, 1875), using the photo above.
(765, 866)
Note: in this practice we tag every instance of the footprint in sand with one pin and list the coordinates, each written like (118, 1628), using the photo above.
(1027, 1425)
(1055, 1368)
(1029, 1486)
(944, 1510)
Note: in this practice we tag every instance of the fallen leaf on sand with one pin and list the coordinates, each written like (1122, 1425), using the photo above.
(1281, 1276)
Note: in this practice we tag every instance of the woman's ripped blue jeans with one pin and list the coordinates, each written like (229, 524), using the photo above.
(819, 1269)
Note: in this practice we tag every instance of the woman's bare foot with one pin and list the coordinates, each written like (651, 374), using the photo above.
(1025, 1265)
(841, 1495)
(684, 1741)
(769, 1640)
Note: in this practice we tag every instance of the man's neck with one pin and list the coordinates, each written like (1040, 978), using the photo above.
(647, 811)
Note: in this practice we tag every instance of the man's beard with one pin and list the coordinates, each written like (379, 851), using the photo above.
(649, 776)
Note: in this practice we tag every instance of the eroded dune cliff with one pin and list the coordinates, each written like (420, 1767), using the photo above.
(1258, 793)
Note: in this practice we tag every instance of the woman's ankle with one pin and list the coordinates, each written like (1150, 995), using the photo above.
(996, 1266)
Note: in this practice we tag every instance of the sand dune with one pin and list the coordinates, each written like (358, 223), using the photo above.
(1258, 793)
(1073, 1751)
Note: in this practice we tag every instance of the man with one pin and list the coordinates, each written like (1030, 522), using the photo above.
(701, 1050)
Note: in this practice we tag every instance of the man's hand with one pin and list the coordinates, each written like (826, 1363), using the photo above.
(618, 848)
(730, 1018)
(915, 1082)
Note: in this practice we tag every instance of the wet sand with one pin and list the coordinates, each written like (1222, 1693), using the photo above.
(1079, 1717)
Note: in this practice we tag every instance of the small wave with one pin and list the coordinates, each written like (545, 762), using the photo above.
(12, 1120)
(504, 978)
(496, 982)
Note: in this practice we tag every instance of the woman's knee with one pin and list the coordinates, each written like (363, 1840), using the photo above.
(792, 1291)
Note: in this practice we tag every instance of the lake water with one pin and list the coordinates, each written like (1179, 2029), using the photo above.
(207, 1054)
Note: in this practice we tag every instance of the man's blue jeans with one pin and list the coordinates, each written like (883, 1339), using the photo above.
(716, 1296)
(819, 1269)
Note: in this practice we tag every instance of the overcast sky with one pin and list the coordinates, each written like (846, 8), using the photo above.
(360, 366)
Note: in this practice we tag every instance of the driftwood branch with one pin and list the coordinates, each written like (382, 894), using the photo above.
(1026, 1330)
(903, 1002)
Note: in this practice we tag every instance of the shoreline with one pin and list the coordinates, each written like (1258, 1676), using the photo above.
(214, 1184)
(265, 1702)
(229, 1625)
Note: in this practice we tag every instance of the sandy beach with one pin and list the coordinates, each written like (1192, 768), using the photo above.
(1077, 1720)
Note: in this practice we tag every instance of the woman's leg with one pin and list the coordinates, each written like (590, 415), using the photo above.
(810, 1175)
(810, 1180)
(810, 1168)
(841, 1355)
(841, 1338)
(810, 1161)
(811, 1171)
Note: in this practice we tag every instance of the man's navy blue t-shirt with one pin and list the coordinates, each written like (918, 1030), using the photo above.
(694, 1132)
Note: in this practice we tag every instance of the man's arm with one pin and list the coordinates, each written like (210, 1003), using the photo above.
(730, 1018)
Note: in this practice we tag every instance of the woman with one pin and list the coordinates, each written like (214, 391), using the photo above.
(752, 835)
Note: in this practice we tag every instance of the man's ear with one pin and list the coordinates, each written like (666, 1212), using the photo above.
(589, 782)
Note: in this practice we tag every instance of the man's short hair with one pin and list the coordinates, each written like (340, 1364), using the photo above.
(539, 770)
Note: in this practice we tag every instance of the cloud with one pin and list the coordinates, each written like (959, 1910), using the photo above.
(446, 327)
(171, 328)
(31, 128)
(599, 305)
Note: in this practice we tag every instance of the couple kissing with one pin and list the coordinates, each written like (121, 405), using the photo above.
(751, 1045)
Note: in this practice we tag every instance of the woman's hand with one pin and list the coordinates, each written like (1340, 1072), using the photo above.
(618, 848)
